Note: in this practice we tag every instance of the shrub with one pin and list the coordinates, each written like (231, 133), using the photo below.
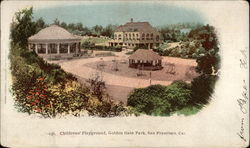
(178, 94)
(160, 100)
(97, 86)
(92, 46)
(202, 89)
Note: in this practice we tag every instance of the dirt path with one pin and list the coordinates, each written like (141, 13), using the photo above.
(78, 67)
(119, 86)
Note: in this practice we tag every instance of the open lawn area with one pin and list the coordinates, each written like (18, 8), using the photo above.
(96, 40)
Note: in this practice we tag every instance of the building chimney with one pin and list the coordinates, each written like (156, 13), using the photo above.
(131, 20)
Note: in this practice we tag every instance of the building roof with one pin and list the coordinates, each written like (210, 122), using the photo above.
(135, 27)
(143, 54)
(53, 32)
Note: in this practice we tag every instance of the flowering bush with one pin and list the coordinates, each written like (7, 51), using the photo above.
(37, 90)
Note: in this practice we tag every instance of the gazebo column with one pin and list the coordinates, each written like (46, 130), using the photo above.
(58, 48)
(160, 62)
(76, 47)
(46, 48)
(79, 47)
(36, 48)
(68, 48)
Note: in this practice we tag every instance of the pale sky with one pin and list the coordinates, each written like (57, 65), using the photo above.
(105, 13)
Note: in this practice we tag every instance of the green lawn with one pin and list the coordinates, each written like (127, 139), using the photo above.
(165, 45)
(96, 40)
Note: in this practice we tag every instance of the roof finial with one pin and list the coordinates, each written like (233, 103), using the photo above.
(131, 20)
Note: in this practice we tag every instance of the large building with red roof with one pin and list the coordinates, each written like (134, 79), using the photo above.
(136, 34)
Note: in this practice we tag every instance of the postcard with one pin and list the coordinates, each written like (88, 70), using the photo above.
(124, 74)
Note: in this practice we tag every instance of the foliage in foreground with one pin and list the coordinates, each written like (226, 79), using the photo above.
(160, 100)
(179, 97)
(46, 89)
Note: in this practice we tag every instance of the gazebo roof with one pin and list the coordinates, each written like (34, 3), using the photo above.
(143, 54)
(53, 32)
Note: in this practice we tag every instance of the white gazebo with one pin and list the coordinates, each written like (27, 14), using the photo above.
(55, 42)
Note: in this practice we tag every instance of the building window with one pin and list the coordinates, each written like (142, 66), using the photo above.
(151, 36)
(52, 48)
(157, 38)
(119, 37)
(115, 37)
(129, 37)
(73, 48)
(147, 36)
(41, 48)
(143, 36)
(63, 48)
(137, 36)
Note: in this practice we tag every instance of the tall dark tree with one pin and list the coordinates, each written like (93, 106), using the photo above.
(109, 30)
(64, 25)
(79, 26)
(86, 31)
(22, 27)
(97, 30)
(208, 61)
(40, 24)
(56, 22)
(71, 26)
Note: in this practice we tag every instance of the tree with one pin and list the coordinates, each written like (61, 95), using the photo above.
(71, 26)
(40, 24)
(208, 61)
(64, 25)
(109, 30)
(86, 31)
(22, 27)
(56, 22)
(202, 89)
(97, 86)
(97, 30)
(79, 26)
